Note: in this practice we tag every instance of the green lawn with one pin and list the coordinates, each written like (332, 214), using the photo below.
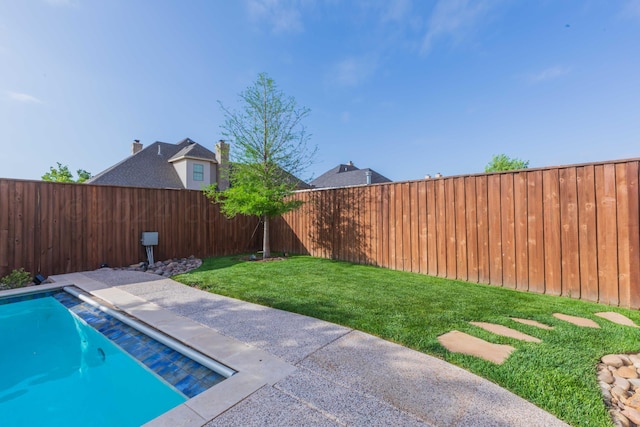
(558, 374)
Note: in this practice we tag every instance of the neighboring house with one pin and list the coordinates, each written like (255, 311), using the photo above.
(185, 165)
(348, 175)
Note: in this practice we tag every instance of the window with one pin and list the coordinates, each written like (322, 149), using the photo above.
(198, 173)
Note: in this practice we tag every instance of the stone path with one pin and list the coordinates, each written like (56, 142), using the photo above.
(578, 321)
(533, 323)
(617, 318)
(459, 342)
(505, 332)
(618, 374)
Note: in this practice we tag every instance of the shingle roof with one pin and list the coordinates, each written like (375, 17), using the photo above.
(346, 176)
(151, 167)
(194, 151)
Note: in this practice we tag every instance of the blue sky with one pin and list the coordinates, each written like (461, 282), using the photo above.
(405, 87)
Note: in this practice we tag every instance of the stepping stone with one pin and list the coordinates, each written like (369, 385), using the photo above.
(505, 332)
(532, 323)
(578, 321)
(459, 342)
(617, 318)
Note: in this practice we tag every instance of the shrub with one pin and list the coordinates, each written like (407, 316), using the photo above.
(16, 279)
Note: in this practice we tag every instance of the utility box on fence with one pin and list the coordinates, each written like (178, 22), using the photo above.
(149, 238)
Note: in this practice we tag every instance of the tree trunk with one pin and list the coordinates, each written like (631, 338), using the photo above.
(266, 250)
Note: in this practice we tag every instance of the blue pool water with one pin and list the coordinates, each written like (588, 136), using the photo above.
(58, 371)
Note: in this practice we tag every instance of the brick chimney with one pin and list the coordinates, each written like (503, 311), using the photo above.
(222, 154)
(136, 146)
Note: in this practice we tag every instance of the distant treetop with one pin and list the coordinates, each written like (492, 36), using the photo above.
(63, 174)
(502, 162)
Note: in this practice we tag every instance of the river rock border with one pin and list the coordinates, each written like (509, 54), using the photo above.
(168, 268)
(619, 380)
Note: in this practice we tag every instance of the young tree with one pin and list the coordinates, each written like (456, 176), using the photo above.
(502, 162)
(63, 174)
(270, 149)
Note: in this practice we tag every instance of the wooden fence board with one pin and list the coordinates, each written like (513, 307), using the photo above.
(471, 229)
(622, 227)
(587, 237)
(495, 229)
(482, 215)
(553, 268)
(414, 235)
(607, 235)
(507, 214)
(521, 230)
(346, 224)
(633, 233)
(535, 232)
(569, 241)
(432, 220)
(377, 208)
(17, 225)
(441, 228)
(460, 215)
(450, 227)
(394, 261)
(406, 227)
(386, 222)
(422, 226)
(6, 205)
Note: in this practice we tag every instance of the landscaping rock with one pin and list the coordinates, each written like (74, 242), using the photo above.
(168, 268)
(619, 419)
(627, 372)
(634, 401)
(632, 415)
(622, 395)
(612, 360)
(622, 383)
(605, 376)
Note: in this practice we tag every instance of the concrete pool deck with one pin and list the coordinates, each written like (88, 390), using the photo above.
(295, 370)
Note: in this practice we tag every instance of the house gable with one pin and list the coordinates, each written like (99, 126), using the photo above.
(161, 165)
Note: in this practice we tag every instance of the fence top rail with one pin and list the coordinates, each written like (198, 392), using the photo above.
(39, 181)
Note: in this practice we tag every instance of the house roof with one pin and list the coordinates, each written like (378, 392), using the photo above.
(151, 167)
(346, 176)
(194, 151)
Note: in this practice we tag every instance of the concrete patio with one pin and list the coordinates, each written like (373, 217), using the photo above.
(295, 370)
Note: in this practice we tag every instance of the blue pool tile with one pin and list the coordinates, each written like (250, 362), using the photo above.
(188, 376)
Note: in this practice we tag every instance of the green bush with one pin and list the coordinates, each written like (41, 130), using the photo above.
(16, 279)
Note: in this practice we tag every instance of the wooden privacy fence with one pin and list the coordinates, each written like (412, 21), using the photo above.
(53, 228)
(571, 230)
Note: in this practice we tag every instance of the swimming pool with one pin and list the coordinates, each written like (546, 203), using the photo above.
(65, 362)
